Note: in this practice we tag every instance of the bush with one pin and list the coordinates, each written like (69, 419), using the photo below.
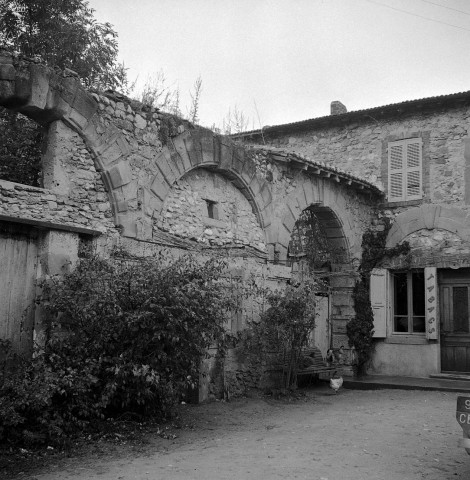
(285, 327)
(124, 336)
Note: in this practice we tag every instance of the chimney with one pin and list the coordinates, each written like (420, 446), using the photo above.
(337, 108)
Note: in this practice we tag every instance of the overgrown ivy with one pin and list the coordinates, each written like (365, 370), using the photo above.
(361, 328)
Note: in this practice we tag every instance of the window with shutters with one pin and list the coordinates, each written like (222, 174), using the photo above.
(404, 304)
(409, 315)
(405, 172)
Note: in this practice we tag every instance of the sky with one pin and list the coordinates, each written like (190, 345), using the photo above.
(282, 61)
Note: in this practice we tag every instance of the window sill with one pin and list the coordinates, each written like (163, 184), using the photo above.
(406, 203)
(407, 339)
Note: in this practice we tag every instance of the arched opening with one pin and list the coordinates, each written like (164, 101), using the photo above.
(21, 148)
(318, 249)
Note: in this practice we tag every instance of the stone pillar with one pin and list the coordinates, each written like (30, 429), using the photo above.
(58, 254)
(58, 153)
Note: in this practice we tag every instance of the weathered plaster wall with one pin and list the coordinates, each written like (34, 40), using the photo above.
(406, 359)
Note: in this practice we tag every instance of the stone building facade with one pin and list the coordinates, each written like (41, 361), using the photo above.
(418, 154)
(116, 173)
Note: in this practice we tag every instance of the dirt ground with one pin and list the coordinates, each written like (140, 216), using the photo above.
(355, 435)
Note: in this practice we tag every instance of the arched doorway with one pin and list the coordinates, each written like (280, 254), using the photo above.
(316, 250)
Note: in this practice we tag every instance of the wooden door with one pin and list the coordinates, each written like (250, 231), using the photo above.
(455, 322)
(18, 263)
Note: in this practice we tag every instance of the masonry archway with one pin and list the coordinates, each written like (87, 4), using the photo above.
(428, 217)
(46, 96)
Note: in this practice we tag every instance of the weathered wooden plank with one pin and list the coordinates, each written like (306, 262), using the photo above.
(18, 261)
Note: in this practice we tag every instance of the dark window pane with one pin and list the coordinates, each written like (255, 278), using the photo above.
(401, 294)
(419, 324)
(401, 324)
(460, 303)
(418, 294)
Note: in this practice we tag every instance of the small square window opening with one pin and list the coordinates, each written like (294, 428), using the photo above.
(212, 211)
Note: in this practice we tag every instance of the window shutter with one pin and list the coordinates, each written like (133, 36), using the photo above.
(430, 279)
(395, 172)
(379, 301)
(413, 169)
(405, 178)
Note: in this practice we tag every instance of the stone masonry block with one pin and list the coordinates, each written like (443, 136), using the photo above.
(450, 225)
(61, 95)
(207, 147)
(160, 187)
(395, 236)
(176, 160)
(226, 155)
(248, 171)
(84, 104)
(150, 202)
(194, 155)
(266, 216)
(178, 143)
(238, 159)
(196, 136)
(284, 236)
(166, 168)
(255, 187)
(118, 149)
(128, 225)
(266, 193)
(414, 225)
(120, 175)
(144, 228)
(76, 120)
(288, 220)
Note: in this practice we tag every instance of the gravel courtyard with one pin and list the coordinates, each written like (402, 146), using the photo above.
(355, 435)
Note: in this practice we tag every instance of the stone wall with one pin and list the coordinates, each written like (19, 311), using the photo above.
(361, 148)
(185, 212)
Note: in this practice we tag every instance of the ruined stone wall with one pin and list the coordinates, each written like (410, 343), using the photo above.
(185, 212)
(74, 193)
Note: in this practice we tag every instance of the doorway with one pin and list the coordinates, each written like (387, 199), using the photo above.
(455, 320)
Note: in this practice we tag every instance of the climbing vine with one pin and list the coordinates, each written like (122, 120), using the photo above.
(361, 328)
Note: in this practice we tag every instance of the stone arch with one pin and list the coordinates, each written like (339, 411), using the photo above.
(46, 96)
(428, 217)
(329, 203)
(200, 148)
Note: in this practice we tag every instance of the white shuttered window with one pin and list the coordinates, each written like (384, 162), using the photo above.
(405, 172)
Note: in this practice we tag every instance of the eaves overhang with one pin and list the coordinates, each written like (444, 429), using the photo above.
(320, 169)
(374, 114)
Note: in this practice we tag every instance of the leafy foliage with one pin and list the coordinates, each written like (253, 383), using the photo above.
(125, 336)
(285, 327)
(361, 328)
(63, 34)
(20, 149)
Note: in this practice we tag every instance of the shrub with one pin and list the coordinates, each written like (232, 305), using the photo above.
(124, 336)
(285, 327)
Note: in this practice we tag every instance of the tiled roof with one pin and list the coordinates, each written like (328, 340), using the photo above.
(320, 169)
(371, 113)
